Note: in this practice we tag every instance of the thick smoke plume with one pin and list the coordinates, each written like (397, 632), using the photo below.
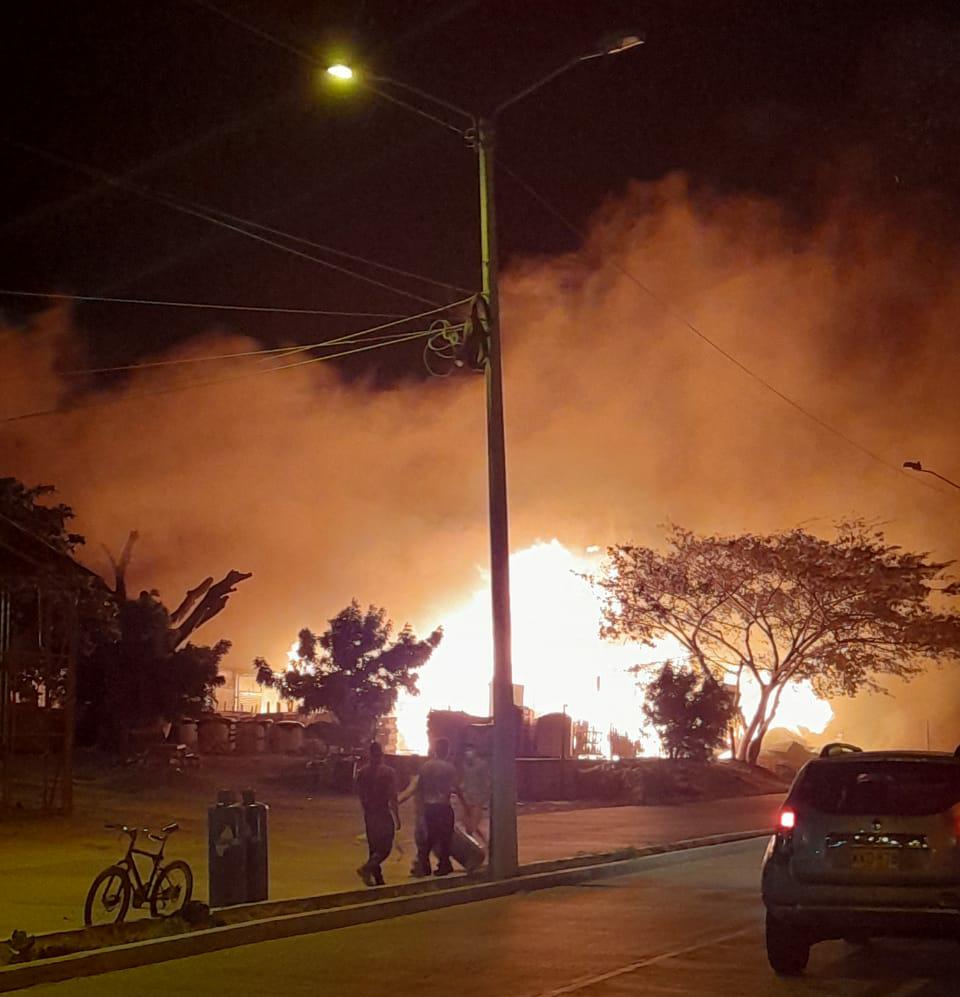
(619, 419)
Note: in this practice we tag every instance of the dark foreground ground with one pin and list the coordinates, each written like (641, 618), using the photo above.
(693, 926)
(47, 865)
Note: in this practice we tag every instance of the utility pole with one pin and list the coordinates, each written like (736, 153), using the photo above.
(503, 822)
(503, 817)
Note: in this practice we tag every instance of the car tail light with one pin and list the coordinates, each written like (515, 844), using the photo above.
(788, 819)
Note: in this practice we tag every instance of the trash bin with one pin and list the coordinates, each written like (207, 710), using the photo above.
(226, 851)
(214, 735)
(287, 737)
(187, 733)
(251, 737)
(255, 827)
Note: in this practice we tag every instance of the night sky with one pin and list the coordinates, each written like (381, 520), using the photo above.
(781, 98)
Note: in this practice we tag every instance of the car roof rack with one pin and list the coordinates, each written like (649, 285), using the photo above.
(838, 748)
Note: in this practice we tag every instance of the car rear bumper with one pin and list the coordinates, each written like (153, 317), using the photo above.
(841, 921)
(835, 910)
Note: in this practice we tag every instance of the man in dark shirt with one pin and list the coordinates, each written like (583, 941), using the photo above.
(377, 789)
(437, 780)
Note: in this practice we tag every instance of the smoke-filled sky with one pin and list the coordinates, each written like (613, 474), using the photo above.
(781, 181)
(618, 417)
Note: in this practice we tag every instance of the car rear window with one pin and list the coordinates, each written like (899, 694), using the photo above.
(907, 788)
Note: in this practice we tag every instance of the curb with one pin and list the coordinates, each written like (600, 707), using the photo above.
(266, 922)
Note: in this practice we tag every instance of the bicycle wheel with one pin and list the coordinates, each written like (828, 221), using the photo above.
(172, 890)
(108, 898)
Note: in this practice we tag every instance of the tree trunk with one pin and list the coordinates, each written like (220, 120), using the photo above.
(764, 725)
(212, 597)
(759, 716)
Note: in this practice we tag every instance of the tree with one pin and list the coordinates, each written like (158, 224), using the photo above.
(690, 714)
(135, 662)
(138, 678)
(353, 669)
(150, 670)
(781, 608)
(22, 506)
(48, 597)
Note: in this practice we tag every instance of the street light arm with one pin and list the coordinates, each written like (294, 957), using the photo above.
(542, 82)
(609, 46)
(423, 95)
(942, 478)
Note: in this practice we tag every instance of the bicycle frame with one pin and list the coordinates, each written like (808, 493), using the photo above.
(141, 889)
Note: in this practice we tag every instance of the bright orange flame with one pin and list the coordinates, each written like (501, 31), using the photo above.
(558, 656)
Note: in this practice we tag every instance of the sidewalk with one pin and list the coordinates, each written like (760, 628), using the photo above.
(47, 866)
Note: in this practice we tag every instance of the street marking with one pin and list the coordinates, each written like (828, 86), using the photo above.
(585, 982)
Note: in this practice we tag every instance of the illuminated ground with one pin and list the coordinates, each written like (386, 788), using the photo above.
(693, 927)
(46, 867)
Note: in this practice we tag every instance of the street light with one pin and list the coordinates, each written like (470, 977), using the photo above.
(481, 135)
(915, 465)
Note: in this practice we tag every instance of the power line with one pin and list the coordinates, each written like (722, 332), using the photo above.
(399, 271)
(726, 354)
(158, 160)
(277, 352)
(170, 389)
(253, 29)
(210, 215)
(99, 298)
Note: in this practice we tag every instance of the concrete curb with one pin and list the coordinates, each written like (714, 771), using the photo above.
(266, 922)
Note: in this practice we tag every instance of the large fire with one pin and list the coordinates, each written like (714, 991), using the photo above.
(558, 657)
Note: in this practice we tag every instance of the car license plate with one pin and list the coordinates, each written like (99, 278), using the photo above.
(874, 859)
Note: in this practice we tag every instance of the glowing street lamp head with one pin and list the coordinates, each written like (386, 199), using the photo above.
(340, 71)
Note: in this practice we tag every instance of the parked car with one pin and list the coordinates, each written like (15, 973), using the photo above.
(868, 844)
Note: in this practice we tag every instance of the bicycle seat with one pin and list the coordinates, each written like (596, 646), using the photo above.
(170, 828)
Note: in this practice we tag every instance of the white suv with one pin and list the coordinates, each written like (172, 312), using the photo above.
(868, 843)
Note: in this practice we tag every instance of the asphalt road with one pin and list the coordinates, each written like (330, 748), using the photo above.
(691, 926)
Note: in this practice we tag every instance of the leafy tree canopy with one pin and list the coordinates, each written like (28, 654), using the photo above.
(135, 662)
(780, 608)
(24, 507)
(355, 668)
(690, 714)
(139, 678)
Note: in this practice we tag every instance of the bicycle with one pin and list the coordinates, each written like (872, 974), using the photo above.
(167, 890)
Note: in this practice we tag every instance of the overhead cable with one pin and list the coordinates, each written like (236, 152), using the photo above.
(726, 354)
(218, 306)
(276, 352)
(170, 389)
(213, 216)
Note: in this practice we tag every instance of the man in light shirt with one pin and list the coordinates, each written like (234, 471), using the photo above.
(438, 780)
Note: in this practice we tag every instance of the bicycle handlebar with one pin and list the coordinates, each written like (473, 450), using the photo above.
(165, 831)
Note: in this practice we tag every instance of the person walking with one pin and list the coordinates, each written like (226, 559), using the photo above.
(475, 784)
(437, 782)
(419, 824)
(377, 788)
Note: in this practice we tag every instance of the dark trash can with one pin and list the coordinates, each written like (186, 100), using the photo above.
(226, 851)
(255, 836)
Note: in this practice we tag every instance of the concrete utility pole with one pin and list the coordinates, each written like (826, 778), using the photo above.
(503, 803)
(481, 135)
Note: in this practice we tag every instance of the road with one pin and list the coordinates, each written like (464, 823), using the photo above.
(691, 926)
